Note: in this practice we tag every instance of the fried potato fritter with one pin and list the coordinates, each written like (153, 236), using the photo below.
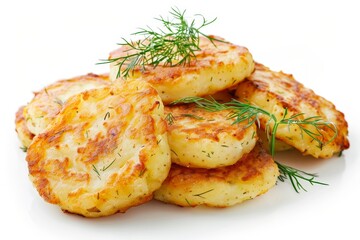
(105, 152)
(48, 102)
(24, 135)
(277, 91)
(217, 66)
(199, 138)
(254, 174)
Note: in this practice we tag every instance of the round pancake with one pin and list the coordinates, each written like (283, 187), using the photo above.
(47, 103)
(199, 138)
(275, 91)
(105, 152)
(254, 174)
(216, 67)
(24, 135)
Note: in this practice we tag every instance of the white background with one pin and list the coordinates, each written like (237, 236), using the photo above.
(317, 41)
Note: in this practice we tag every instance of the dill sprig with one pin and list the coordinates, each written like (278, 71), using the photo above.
(107, 115)
(104, 168)
(172, 45)
(202, 193)
(245, 112)
(192, 116)
(295, 175)
(24, 148)
(316, 121)
(96, 171)
(170, 118)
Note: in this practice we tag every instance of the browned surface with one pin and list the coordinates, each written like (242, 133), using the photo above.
(25, 136)
(247, 168)
(254, 174)
(207, 57)
(216, 67)
(48, 102)
(275, 91)
(117, 128)
(210, 125)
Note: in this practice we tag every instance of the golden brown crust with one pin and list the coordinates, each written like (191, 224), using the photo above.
(275, 91)
(252, 175)
(24, 135)
(216, 67)
(48, 102)
(199, 138)
(203, 123)
(105, 152)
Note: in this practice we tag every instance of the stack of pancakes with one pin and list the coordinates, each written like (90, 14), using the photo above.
(97, 145)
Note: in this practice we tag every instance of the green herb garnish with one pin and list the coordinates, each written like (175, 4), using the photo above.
(295, 175)
(107, 115)
(172, 45)
(170, 119)
(24, 148)
(96, 171)
(201, 194)
(106, 167)
(192, 116)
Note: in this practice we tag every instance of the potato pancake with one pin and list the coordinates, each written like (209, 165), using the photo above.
(217, 67)
(199, 138)
(48, 102)
(105, 152)
(254, 174)
(277, 91)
